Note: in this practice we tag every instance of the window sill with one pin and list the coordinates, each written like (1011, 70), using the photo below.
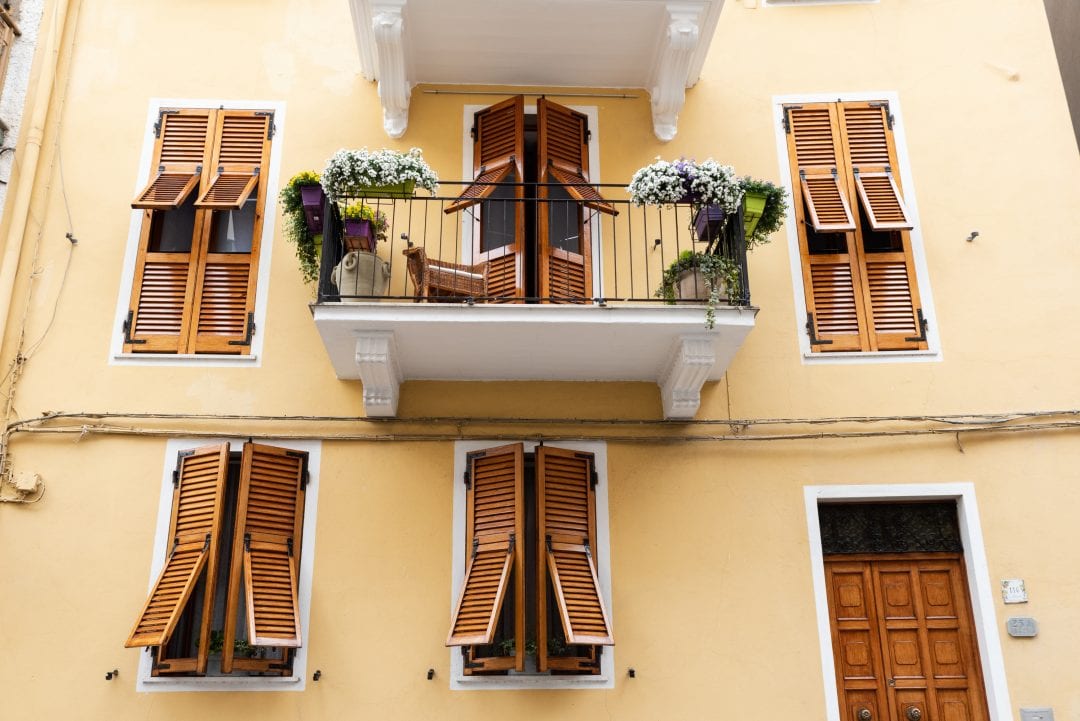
(523, 682)
(220, 683)
(866, 358)
(174, 359)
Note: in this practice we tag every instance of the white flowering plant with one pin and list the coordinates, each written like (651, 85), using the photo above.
(350, 172)
(685, 181)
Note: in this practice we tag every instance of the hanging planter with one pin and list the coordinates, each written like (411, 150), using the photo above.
(358, 235)
(312, 198)
(709, 222)
(377, 174)
(396, 190)
(299, 223)
(752, 210)
(765, 210)
(363, 227)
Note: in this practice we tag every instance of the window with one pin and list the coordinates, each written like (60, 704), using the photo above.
(534, 225)
(854, 229)
(533, 594)
(227, 598)
(197, 263)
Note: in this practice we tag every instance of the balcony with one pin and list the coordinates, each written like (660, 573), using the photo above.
(536, 282)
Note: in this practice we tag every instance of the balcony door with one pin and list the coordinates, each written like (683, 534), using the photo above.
(531, 175)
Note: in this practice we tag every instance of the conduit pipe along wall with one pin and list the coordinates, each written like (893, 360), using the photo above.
(43, 82)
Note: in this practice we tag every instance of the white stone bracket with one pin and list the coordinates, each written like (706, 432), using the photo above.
(380, 372)
(692, 360)
(678, 46)
(388, 31)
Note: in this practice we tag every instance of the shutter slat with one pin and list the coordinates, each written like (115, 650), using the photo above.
(477, 190)
(483, 590)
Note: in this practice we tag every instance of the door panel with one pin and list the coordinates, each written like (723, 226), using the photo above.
(903, 638)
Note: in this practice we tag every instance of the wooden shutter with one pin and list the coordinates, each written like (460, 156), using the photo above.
(495, 527)
(159, 313)
(498, 142)
(194, 530)
(483, 185)
(890, 291)
(224, 306)
(832, 281)
(566, 517)
(562, 141)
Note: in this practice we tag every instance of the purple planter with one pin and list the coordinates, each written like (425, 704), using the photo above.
(358, 235)
(311, 198)
(708, 222)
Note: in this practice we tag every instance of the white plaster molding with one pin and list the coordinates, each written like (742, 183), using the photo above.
(678, 48)
(388, 30)
(692, 359)
(380, 372)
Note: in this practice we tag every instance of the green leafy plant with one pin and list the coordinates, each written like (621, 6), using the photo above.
(772, 217)
(719, 273)
(308, 246)
(358, 211)
(241, 648)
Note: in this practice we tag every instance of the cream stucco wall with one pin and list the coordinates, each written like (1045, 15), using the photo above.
(712, 596)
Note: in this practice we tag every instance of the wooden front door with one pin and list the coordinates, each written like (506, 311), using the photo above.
(903, 638)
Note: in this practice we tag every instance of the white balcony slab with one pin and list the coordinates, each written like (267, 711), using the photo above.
(663, 344)
(656, 45)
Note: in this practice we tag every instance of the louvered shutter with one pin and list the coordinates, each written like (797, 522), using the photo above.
(566, 517)
(266, 555)
(495, 527)
(499, 156)
(194, 530)
(222, 317)
(832, 281)
(159, 314)
(891, 292)
(565, 242)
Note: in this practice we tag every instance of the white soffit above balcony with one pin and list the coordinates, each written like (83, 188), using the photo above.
(655, 45)
(384, 344)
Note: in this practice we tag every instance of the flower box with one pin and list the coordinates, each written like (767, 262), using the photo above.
(708, 222)
(359, 235)
(397, 190)
(752, 211)
(311, 198)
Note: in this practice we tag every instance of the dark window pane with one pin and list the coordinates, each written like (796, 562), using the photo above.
(171, 230)
(889, 527)
(564, 226)
(232, 230)
(497, 219)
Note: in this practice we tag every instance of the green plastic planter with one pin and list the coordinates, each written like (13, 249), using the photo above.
(754, 206)
(398, 190)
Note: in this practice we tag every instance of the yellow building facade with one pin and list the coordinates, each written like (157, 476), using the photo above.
(816, 506)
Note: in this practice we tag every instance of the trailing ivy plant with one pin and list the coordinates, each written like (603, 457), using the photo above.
(296, 230)
(772, 217)
(718, 271)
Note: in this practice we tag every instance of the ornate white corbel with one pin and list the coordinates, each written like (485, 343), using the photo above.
(677, 48)
(388, 30)
(377, 359)
(691, 361)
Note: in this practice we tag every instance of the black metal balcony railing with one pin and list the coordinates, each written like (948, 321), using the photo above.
(465, 255)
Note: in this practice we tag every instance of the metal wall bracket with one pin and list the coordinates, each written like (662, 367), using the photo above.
(249, 334)
(921, 338)
(814, 340)
(129, 324)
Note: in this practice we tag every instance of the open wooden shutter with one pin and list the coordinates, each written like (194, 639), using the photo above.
(499, 155)
(194, 530)
(495, 526)
(565, 247)
(832, 280)
(223, 314)
(159, 316)
(269, 521)
(890, 293)
(566, 517)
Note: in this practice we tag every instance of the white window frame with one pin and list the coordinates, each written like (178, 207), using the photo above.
(296, 682)
(922, 276)
(514, 681)
(253, 358)
(471, 225)
(980, 588)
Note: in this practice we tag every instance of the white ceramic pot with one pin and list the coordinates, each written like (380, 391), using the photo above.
(361, 273)
(691, 284)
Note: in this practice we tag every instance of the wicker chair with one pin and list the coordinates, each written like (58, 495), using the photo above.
(441, 279)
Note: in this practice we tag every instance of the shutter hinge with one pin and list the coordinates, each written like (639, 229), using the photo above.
(250, 332)
(175, 543)
(888, 114)
(129, 324)
(814, 340)
(547, 542)
(305, 474)
(588, 136)
(468, 479)
(206, 543)
(176, 478)
(289, 543)
(179, 464)
(588, 551)
(247, 542)
(513, 540)
(161, 121)
(921, 338)
(787, 117)
(475, 547)
(472, 131)
(270, 128)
